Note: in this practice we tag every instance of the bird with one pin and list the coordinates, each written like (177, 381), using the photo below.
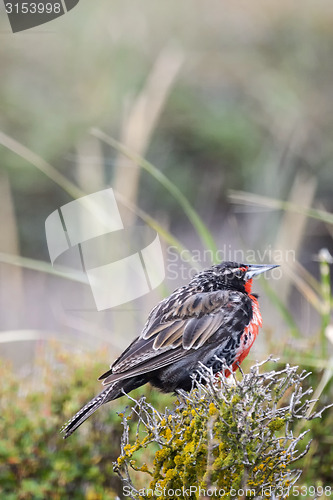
(212, 321)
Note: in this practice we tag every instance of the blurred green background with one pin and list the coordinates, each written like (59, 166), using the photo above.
(232, 102)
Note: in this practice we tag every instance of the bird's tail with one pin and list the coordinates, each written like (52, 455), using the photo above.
(110, 393)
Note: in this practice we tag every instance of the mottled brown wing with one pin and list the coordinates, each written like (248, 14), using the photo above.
(181, 305)
(141, 362)
(193, 319)
(171, 330)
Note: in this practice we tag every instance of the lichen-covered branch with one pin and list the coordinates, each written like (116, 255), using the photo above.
(226, 434)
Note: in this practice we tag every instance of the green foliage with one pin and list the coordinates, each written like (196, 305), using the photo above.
(317, 465)
(35, 462)
(204, 434)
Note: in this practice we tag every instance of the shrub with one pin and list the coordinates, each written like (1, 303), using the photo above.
(221, 438)
(35, 461)
(241, 435)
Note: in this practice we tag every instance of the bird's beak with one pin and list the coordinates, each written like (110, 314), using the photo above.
(255, 269)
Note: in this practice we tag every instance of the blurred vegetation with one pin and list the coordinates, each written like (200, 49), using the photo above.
(231, 104)
(249, 107)
(35, 461)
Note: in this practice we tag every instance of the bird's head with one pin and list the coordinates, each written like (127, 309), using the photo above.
(235, 276)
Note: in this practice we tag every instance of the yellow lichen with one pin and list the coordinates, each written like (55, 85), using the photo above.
(276, 424)
(196, 449)
(212, 409)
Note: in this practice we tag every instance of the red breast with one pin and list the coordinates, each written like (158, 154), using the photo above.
(250, 333)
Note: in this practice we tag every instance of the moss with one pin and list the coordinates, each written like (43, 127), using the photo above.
(277, 424)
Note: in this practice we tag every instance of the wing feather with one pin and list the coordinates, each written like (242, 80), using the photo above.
(170, 333)
(198, 331)
(163, 359)
(193, 330)
(176, 325)
(215, 324)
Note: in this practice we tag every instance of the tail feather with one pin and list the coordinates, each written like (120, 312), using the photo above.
(110, 393)
(113, 391)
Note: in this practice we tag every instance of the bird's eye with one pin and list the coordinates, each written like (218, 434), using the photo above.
(239, 272)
